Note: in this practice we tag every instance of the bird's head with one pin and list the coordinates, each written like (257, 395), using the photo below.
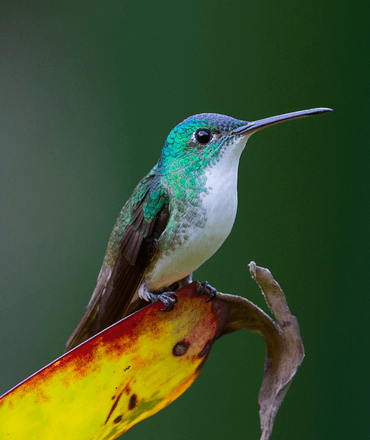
(201, 140)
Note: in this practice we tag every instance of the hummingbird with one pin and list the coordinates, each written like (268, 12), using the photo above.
(176, 218)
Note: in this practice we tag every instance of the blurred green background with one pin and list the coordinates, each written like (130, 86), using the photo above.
(89, 92)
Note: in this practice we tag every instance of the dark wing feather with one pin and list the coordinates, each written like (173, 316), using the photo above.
(135, 254)
(116, 287)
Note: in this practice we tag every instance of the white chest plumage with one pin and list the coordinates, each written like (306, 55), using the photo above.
(219, 206)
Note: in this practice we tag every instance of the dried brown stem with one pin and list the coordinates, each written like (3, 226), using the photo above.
(284, 345)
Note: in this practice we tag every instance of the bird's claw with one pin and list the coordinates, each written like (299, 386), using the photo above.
(211, 289)
(169, 300)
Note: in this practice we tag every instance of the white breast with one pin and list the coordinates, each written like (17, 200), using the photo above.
(220, 206)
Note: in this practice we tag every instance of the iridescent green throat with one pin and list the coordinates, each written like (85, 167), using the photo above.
(183, 161)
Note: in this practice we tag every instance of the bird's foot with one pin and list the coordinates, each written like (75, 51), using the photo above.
(169, 299)
(212, 291)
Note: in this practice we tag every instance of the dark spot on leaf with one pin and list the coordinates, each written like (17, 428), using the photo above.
(113, 407)
(117, 419)
(127, 390)
(113, 397)
(133, 402)
(180, 348)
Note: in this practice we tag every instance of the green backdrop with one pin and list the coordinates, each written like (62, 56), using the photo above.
(88, 94)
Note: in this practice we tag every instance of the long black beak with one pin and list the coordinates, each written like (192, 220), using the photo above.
(254, 126)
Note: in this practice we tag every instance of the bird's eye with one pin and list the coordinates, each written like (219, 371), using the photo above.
(203, 136)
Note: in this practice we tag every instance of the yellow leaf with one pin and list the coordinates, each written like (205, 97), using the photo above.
(121, 376)
(136, 367)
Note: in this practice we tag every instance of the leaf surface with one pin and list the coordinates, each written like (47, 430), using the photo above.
(138, 366)
(118, 378)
